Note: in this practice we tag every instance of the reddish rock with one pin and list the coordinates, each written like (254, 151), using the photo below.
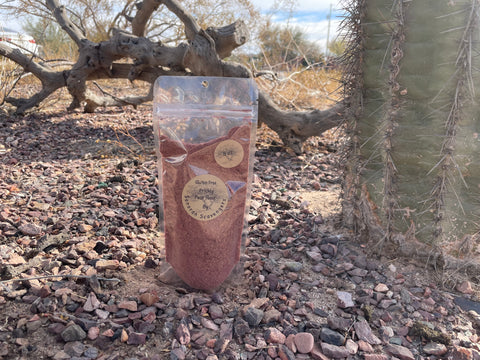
(304, 342)
(351, 346)
(91, 303)
(364, 332)
(102, 265)
(465, 287)
(30, 229)
(333, 351)
(375, 357)
(290, 342)
(400, 352)
(128, 304)
(317, 354)
(182, 334)
(365, 346)
(149, 298)
(93, 332)
(274, 336)
(381, 288)
(460, 353)
(435, 349)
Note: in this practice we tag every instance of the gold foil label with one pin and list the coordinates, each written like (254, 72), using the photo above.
(229, 153)
(205, 197)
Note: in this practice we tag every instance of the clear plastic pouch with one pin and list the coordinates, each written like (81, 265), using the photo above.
(205, 139)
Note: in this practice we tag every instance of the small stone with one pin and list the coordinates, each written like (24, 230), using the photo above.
(73, 333)
(215, 311)
(128, 305)
(365, 346)
(136, 338)
(364, 332)
(351, 346)
(335, 352)
(30, 229)
(285, 353)
(149, 298)
(253, 316)
(124, 336)
(272, 315)
(274, 336)
(304, 342)
(465, 287)
(317, 354)
(91, 353)
(241, 328)
(344, 299)
(381, 288)
(102, 265)
(435, 349)
(93, 332)
(83, 228)
(400, 352)
(294, 266)
(459, 353)
(91, 303)
(177, 354)
(290, 342)
(375, 357)
(74, 348)
(331, 337)
(182, 334)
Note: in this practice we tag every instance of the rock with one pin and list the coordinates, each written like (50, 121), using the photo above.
(375, 357)
(74, 348)
(215, 311)
(149, 298)
(317, 354)
(102, 265)
(465, 287)
(365, 346)
(304, 342)
(93, 332)
(335, 352)
(177, 354)
(459, 353)
(135, 338)
(91, 353)
(285, 353)
(240, 327)
(381, 288)
(294, 266)
(344, 299)
(272, 315)
(435, 349)
(351, 346)
(73, 333)
(91, 303)
(253, 316)
(290, 342)
(400, 352)
(128, 305)
(274, 336)
(331, 337)
(364, 332)
(182, 334)
(30, 229)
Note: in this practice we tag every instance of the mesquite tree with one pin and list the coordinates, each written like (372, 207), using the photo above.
(413, 170)
(129, 53)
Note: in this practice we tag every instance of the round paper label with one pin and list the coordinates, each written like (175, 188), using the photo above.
(205, 197)
(228, 153)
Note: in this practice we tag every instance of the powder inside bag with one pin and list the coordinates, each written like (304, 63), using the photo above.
(204, 197)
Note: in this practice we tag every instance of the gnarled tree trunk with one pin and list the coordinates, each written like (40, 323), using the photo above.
(202, 54)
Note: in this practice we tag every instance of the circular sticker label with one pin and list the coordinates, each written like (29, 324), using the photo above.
(205, 197)
(228, 153)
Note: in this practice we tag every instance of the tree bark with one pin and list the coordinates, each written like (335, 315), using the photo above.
(202, 54)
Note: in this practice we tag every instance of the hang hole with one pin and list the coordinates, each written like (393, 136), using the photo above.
(205, 83)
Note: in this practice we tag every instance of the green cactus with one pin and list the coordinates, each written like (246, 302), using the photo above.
(413, 170)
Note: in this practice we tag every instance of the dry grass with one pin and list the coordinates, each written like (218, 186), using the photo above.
(303, 89)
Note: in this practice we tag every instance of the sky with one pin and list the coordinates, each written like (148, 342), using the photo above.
(311, 16)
